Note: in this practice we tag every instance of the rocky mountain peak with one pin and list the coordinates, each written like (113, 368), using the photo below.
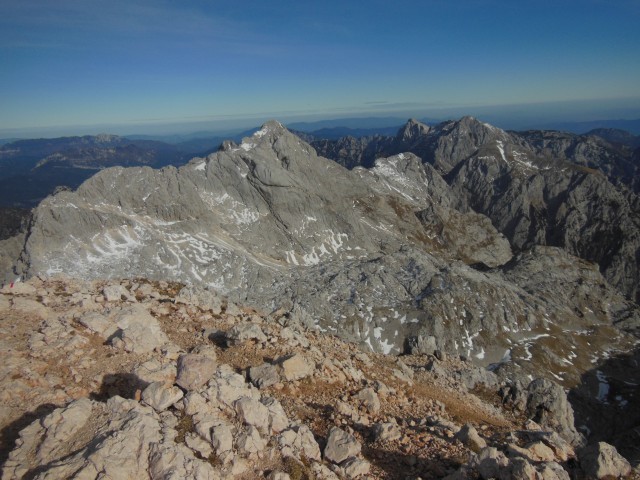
(411, 131)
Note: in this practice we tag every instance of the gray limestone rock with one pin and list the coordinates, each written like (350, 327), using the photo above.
(553, 471)
(176, 462)
(243, 332)
(469, 437)
(355, 467)
(115, 293)
(340, 446)
(126, 439)
(278, 420)
(602, 461)
(264, 375)
(254, 413)
(204, 298)
(250, 441)
(296, 367)
(161, 396)
(491, 463)
(222, 438)
(369, 399)
(547, 405)
(386, 432)
(194, 370)
(139, 331)
(298, 441)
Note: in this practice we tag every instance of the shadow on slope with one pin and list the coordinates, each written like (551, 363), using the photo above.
(607, 402)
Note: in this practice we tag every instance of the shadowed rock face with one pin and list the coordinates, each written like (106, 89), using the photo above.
(377, 255)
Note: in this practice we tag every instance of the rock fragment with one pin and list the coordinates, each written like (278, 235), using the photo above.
(470, 438)
(194, 370)
(296, 367)
(161, 396)
(340, 446)
(602, 461)
(243, 332)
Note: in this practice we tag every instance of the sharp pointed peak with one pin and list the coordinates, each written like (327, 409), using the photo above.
(412, 130)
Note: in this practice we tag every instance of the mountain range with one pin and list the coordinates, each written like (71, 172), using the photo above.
(517, 250)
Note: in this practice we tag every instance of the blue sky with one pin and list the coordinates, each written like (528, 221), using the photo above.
(112, 63)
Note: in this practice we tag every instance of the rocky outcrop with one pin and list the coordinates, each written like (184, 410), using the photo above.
(128, 413)
(602, 461)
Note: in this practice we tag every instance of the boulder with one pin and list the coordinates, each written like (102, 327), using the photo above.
(340, 446)
(243, 332)
(369, 399)
(194, 370)
(548, 406)
(204, 298)
(254, 413)
(553, 471)
(297, 442)
(222, 438)
(602, 461)
(296, 367)
(115, 293)
(470, 438)
(161, 396)
(264, 375)
(98, 324)
(139, 331)
(250, 441)
(491, 463)
(355, 467)
(386, 432)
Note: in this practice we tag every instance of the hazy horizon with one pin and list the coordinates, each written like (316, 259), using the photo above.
(509, 117)
(83, 66)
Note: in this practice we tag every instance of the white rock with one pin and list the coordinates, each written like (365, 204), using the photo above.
(369, 399)
(161, 396)
(252, 412)
(386, 432)
(115, 293)
(296, 367)
(355, 467)
(250, 441)
(194, 370)
(602, 460)
(340, 446)
(222, 438)
(243, 332)
(139, 331)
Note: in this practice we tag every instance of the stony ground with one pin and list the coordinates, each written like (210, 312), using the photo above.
(167, 382)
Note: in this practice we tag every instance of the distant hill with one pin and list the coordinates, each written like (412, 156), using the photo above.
(616, 136)
(631, 126)
(32, 169)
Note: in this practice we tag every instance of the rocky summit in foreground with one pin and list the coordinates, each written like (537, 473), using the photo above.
(138, 379)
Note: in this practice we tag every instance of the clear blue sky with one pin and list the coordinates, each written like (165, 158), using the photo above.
(88, 62)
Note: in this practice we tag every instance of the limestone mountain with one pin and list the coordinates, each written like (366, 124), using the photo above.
(396, 257)
(538, 188)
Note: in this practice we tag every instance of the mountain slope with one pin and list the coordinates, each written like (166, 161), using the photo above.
(379, 256)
